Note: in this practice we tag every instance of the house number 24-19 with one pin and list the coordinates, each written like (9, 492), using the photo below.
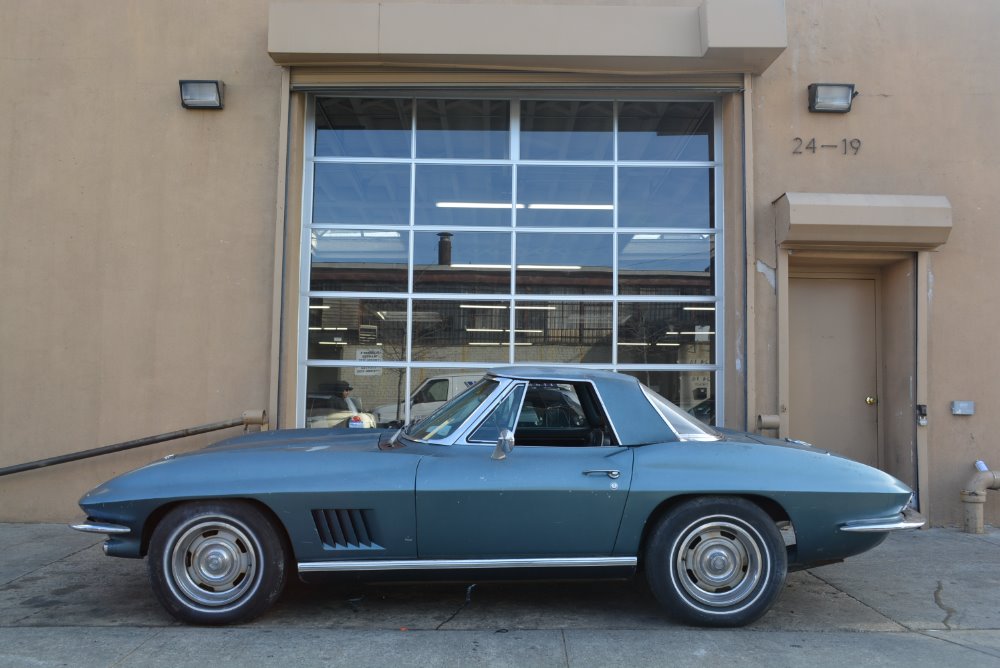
(844, 146)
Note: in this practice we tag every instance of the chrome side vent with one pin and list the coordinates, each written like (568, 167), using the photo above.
(344, 528)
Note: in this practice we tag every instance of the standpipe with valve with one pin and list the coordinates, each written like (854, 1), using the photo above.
(974, 496)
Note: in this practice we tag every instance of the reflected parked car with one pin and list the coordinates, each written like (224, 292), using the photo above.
(532, 472)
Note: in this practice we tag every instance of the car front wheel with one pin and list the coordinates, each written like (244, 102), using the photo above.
(716, 561)
(216, 562)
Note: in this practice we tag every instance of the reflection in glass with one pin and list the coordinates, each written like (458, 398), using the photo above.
(363, 127)
(463, 129)
(452, 195)
(370, 387)
(665, 197)
(666, 264)
(570, 196)
(562, 332)
(361, 194)
(665, 131)
(362, 329)
(692, 391)
(566, 130)
(461, 331)
(358, 260)
(651, 333)
(461, 262)
(564, 263)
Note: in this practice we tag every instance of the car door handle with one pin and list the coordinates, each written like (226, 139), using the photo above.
(611, 473)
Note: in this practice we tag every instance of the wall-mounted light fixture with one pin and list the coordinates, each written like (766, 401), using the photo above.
(202, 93)
(831, 98)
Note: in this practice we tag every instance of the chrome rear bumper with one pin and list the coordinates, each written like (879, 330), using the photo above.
(907, 519)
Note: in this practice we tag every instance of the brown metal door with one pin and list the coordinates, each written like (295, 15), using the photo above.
(833, 359)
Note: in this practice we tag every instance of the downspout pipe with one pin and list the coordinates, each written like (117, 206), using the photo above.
(974, 497)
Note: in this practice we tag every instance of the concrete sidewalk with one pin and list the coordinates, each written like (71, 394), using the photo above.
(927, 598)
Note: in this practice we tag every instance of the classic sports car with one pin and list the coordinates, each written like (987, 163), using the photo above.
(607, 478)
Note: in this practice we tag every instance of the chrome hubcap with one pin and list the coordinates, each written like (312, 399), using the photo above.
(213, 563)
(718, 562)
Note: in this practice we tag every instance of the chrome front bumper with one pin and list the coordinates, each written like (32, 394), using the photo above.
(101, 527)
(907, 519)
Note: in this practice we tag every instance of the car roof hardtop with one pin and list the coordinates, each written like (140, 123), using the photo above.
(555, 374)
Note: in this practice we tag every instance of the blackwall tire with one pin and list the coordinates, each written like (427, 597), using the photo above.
(716, 561)
(217, 562)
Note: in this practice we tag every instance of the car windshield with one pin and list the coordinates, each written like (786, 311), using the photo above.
(445, 420)
(687, 427)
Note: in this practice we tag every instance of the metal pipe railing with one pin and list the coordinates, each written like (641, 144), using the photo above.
(256, 417)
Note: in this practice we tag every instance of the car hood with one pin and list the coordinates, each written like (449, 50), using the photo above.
(311, 440)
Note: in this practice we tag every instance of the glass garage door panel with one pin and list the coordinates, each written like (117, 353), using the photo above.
(447, 234)
(361, 194)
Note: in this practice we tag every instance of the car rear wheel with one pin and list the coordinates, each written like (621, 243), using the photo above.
(217, 562)
(716, 561)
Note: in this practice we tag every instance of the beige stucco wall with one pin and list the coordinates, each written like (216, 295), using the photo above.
(926, 71)
(136, 238)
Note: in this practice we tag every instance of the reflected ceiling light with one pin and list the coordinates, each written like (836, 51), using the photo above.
(333, 343)
(573, 207)
(476, 205)
(355, 234)
(699, 308)
(480, 266)
(552, 267)
(318, 307)
(672, 345)
(646, 237)
(315, 329)
(831, 98)
(494, 307)
(334, 329)
(500, 331)
(692, 333)
(535, 308)
(622, 343)
(202, 93)
(488, 343)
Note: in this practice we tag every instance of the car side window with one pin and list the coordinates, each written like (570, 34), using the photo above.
(561, 414)
(436, 390)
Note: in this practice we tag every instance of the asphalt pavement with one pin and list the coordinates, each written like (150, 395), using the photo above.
(923, 598)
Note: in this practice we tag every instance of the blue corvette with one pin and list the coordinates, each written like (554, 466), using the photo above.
(531, 472)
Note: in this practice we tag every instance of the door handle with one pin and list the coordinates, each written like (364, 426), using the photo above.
(611, 473)
(871, 401)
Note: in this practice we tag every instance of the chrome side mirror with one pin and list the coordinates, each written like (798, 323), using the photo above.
(504, 444)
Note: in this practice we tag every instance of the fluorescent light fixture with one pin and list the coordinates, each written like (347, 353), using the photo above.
(551, 267)
(702, 333)
(535, 308)
(479, 266)
(491, 307)
(622, 343)
(572, 207)
(202, 93)
(315, 329)
(831, 98)
(333, 343)
(672, 345)
(476, 205)
(334, 329)
(646, 237)
(699, 308)
(318, 307)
